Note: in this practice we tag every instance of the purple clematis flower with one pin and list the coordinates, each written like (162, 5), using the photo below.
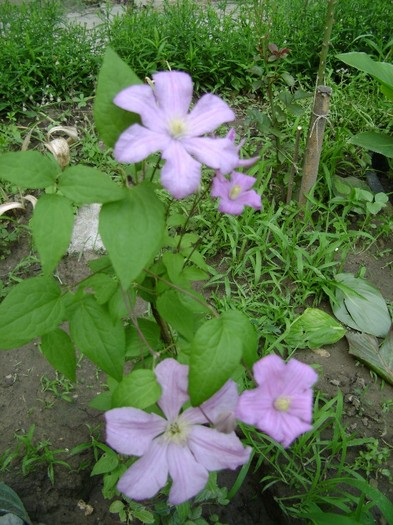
(281, 405)
(235, 193)
(242, 163)
(179, 444)
(169, 127)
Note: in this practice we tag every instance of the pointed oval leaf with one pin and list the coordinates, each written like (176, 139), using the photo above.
(365, 347)
(216, 351)
(378, 142)
(85, 185)
(10, 503)
(32, 308)
(132, 231)
(101, 340)
(58, 349)
(139, 389)
(52, 224)
(314, 328)
(28, 169)
(360, 305)
(114, 76)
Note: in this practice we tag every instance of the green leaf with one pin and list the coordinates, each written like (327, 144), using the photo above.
(360, 305)
(139, 389)
(102, 401)
(135, 347)
(382, 71)
(132, 231)
(28, 169)
(103, 285)
(181, 311)
(328, 518)
(378, 142)
(85, 185)
(143, 515)
(117, 307)
(380, 359)
(216, 351)
(102, 341)
(32, 308)
(314, 328)
(114, 76)
(51, 225)
(58, 349)
(10, 503)
(107, 462)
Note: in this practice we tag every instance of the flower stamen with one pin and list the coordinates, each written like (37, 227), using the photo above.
(235, 192)
(177, 128)
(282, 404)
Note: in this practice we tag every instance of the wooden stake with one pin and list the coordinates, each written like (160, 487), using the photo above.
(314, 141)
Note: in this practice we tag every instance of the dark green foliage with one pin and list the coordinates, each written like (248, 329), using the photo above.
(217, 50)
(43, 60)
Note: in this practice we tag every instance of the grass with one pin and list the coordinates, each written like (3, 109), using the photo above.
(271, 264)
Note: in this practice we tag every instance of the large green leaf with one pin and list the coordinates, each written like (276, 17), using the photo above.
(373, 141)
(85, 185)
(114, 76)
(28, 169)
(102, 341)
(58, 349)
(360, 305)
(380, 359)
(139, 389)
(32, 308)
(382, 71)
(10, 503)
(182, 312)
(132, 231)
(216, 352)
(52, 224)
(134, 344)
(314, 328)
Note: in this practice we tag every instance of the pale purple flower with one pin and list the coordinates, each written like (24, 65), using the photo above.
(169, 127)
(242, 163)
(281, 405)
(235, 193)
(178, 445)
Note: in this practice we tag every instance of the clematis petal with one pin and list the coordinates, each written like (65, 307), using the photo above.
(231, 207)
(208, 114)
(299, 376)
(267, 368)
(219, 154)
(253, 403)
(181, 174)
(189, 477)
(219, 407)
(282, 427)
(173, 91)
(244, 181)
(140, 99)
(301, 405)
(147, 475)
(216, 450)
(173, 378)
(136, 143)
(131, 431)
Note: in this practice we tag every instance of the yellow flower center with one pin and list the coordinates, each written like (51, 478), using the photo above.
(177, 128)
(282, 404)
(235, 192)
(176, 432)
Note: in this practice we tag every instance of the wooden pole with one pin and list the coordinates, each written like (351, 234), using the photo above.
(314, 141)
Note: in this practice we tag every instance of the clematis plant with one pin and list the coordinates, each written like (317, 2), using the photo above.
(171, 399)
